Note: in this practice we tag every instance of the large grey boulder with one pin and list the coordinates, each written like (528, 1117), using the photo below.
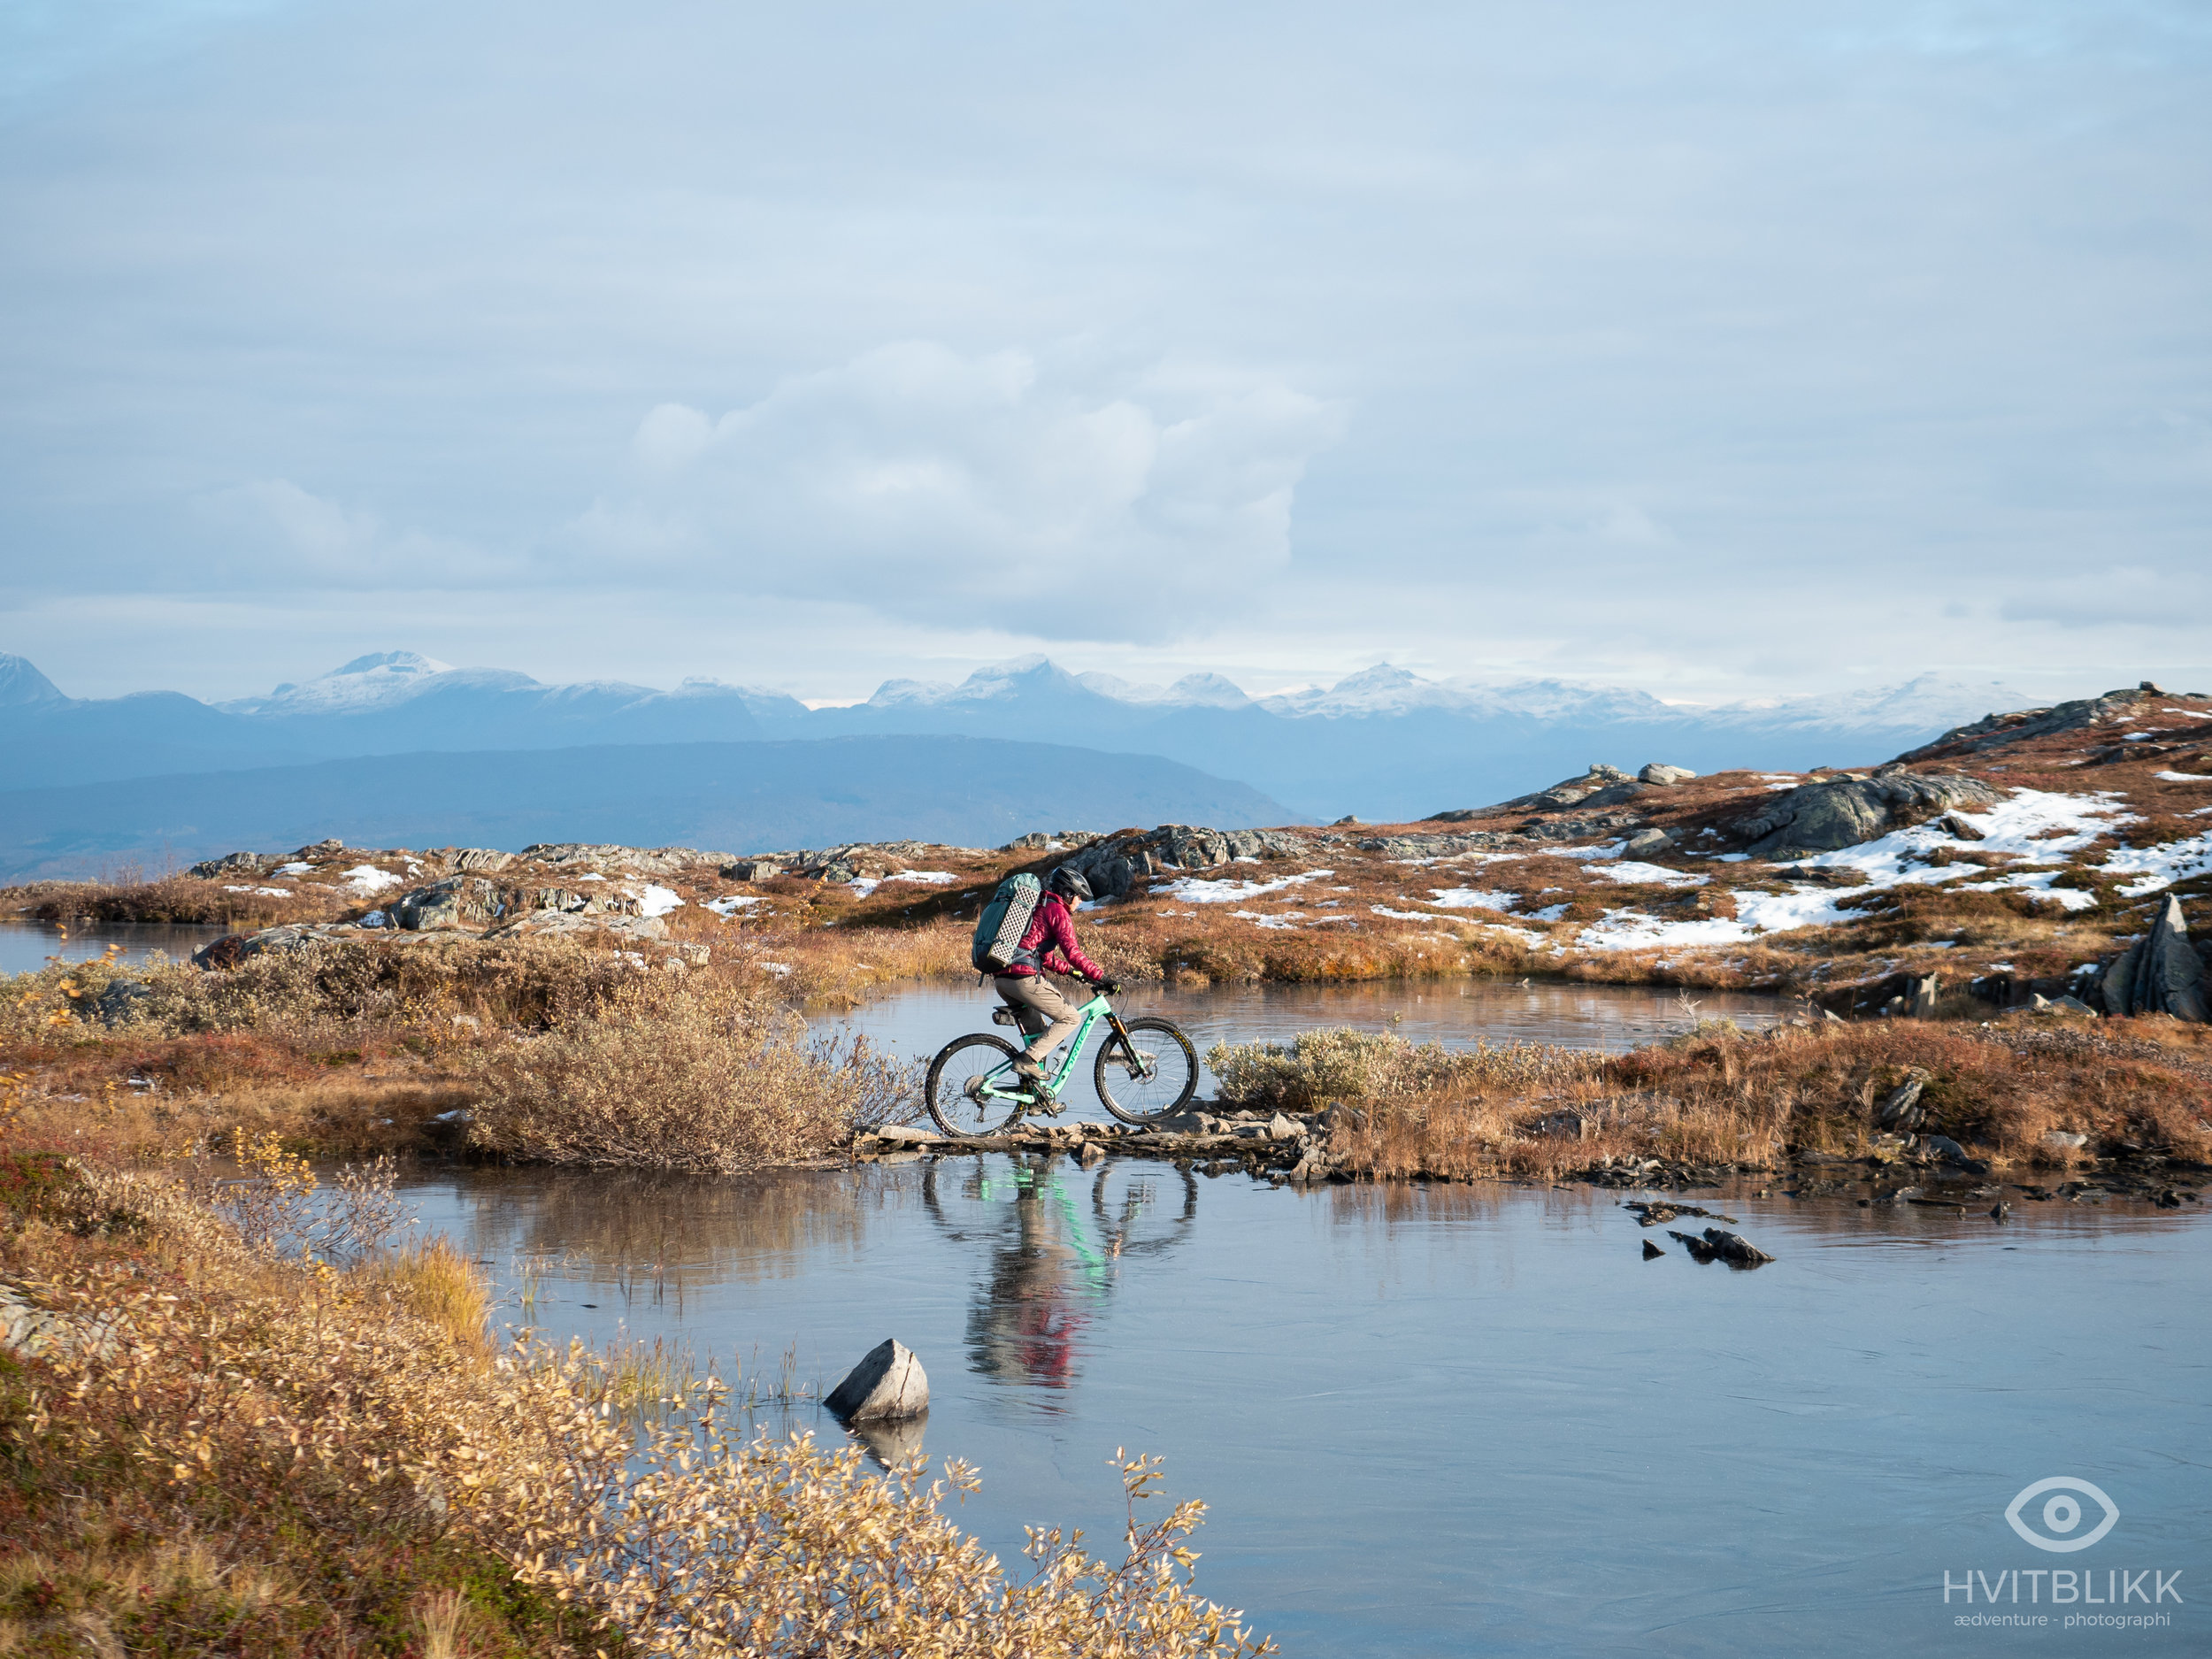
(457, 901)
(2160, 973)
(1660, 773)
(1815, 817)
(888, 1385)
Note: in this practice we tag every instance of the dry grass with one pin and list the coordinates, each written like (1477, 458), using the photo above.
(1720, 1097)
(240, 902)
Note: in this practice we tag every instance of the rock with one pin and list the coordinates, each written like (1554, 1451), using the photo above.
(118, 1003)
(332, 847)
(2042, 1004)
(657, 860)
(1943, 1147)
(479, 860)
(750, 869)
(907, 1134)
(2000, 1211)
(2160, 973)
(1282, 1128)
(2060, 1141)
(888, 1385)
(1825, 817)
(235, 865)
(577, 925)
(457, 901)
(1921, 999)
(1958, 829)
(1646, 843)
(1663, 775)
(1651, 1250)
(1342, 822)
(1902, 1107)
(1720, 1245)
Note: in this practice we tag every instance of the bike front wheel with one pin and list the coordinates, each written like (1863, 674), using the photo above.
(1151, 1076)
(969, 1084)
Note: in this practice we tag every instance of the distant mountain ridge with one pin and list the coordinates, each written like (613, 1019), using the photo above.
(736, 797)
(1384, 743)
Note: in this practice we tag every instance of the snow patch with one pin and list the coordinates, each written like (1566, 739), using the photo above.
(2162, 866)
(368, 879)
(658, 900)
(729, 907)
(1194, 890)
(2184, 777)
(1650, 875)
(1472, 899)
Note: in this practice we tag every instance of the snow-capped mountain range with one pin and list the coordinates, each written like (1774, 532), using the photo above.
(1384, 743)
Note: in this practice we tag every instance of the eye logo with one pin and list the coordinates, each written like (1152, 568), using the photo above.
(2061, 1513)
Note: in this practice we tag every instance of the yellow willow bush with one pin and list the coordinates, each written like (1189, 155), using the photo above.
(665, 1075)
(241, 1389)
(1341, 1064)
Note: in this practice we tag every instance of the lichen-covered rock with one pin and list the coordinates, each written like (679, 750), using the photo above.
(888, 1386)
(459, 902)
(1817, 818)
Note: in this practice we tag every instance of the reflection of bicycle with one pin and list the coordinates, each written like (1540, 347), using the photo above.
(1146, 1070)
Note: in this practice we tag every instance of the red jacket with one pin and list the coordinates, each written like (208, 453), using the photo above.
(1051, 936)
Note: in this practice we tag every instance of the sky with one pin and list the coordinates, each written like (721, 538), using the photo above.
(1726, 349)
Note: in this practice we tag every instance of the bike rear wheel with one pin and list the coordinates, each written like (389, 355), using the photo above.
(956, 1078)
(1153, 1077)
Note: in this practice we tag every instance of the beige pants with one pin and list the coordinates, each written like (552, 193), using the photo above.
(1049, 1018)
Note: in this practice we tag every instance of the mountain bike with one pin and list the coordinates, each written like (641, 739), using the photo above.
(1146, 1070)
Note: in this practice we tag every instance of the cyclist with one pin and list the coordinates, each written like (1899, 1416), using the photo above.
(1049, 1018)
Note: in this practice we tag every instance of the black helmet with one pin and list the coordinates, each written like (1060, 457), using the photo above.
(1069, 884)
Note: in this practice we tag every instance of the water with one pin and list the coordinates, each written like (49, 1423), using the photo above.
(25, 946)
(915, 1021)
(1436, 1420)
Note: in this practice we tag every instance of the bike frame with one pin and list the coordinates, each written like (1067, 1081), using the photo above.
(1097, 1008)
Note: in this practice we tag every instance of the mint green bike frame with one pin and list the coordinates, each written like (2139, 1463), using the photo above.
(1016, 1088)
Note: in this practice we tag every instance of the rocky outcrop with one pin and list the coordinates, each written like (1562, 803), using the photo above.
(2160, 973)
(645, 861)
(1998, 731)
(580, 925)
(483, 861)
(1665, 776)
(1817, 818)
(1115, 865)
(235, 865)
(1603, 786)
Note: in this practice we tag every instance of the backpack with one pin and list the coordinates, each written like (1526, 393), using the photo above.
(999, 930)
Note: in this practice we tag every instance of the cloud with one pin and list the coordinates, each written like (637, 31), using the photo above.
(270, 533)
(927, 483)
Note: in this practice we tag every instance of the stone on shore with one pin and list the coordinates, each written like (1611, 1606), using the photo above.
(1659, 772)
(888, 1386)
(2160, 973)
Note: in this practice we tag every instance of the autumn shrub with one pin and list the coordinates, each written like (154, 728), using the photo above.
(670, 1075)
(218, 1449)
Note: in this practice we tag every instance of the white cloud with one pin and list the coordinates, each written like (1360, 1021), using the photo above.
(925, 481)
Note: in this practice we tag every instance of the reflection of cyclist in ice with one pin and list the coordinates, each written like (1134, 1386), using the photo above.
(1050, 1264)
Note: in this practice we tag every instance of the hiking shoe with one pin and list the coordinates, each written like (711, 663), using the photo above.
(1029, 1070)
